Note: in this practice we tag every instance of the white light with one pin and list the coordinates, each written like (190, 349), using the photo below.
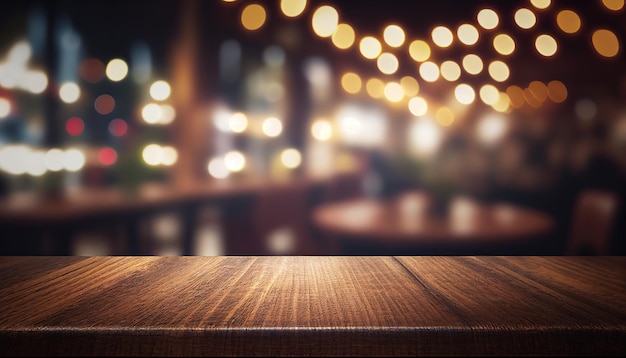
(321, 130)
(221, 119)
(160, 90)
(152, 154)
(73, 160)
(238, 122)
(53, 159)
(152, 113)
(291, 158)
(424, 136)
(116, 69)
(14, 159)
(35, 165)
(491, 129)
(418, 106)
(168, 114)
(20, 53)
(35, 81)
(169, 155)
(5, 107)
(69, 92)
(429, 71)
(217, 168)
(234, 161)
(272, 127)
(464, 93)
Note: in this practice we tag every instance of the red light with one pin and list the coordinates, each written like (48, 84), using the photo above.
(107, 156)
(118, 127)
(74, 126)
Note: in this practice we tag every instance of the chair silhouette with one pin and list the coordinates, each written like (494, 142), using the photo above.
(593, 221)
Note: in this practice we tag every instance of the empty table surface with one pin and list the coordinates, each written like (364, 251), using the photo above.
(407, 220)
(312, 305)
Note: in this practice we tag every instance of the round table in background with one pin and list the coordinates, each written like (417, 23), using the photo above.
(405, 225)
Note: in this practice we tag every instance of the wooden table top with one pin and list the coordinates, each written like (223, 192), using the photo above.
(312, 305)
(406, 219)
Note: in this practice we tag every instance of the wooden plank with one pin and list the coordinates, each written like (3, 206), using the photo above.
(576, 303)
(310, 305)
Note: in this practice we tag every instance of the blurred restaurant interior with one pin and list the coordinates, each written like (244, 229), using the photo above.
(310, 127)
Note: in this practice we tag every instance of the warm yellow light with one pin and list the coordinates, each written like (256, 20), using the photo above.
(343, 37)
(410, 86)
(605, 43)
(488, 19)
(291, 158)
(292, 8)
(418, 106)
(516, 96)
(429, 71)
(321, 130)
(393, 92)
(541, 4)
(370, 47)
(472, 64)
(504, 44)
(152, 154)
(568, 21)
(467, 34)
(557, 92)
(387, 63)
(160, 90)
(116, 69)
(325, 21)
(272, 127)
(375, 88)
(69, 92)
(539, 90)
(464, 93)
(442, 36)
(525, 19)
(499, 71)
(502, 105)
(351, 82)
(450, 71)
(394, 35)
(253, 17)
(238, 122)
(614, 5)
(444, 116)
(546, 45)
(419, 50)
(489, 94)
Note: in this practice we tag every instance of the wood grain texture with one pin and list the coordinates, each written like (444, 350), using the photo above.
(312, 306)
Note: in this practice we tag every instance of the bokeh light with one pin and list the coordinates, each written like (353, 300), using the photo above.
(272, 127)
(321, 129)
(546, 45)
(107, 156)
(370, 47)
(419, 50)
(394, 35)
(351, 82)
(467, 34)
(605, 43)
(74, 126)
(488, 19)
(253, 17)
(525, 18)
(568, 21)
(291, 158)
(104, 104)
(118, 127)
(344, 37)
(116, 69)
(442, 36)
(5, 107)
(160, 90)
(69, 92)
(292, 8)
(325, 21)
